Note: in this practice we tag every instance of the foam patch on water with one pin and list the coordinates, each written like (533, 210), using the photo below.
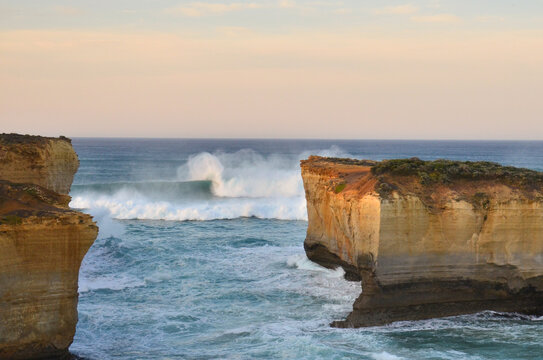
(337, 293)
(107, 227)
(159, 276)
(385, 356)
(301, 261)
(120, 206)
(109, 282)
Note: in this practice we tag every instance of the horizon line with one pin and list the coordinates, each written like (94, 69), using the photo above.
(274, 138)
(294, 138)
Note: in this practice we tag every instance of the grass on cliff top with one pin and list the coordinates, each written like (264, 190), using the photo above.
(344, 161)
(17, 139)
(445, 171)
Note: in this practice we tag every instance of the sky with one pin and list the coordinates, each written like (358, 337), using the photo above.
(365, 69)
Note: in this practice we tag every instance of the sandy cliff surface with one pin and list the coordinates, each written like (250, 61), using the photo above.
(428, 239)
(49, 162)
(42, 244)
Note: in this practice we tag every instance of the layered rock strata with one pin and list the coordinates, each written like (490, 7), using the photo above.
(427, 239)
(49, 162)
(42, 244)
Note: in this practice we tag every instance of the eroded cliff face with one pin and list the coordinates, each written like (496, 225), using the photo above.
(456, 240)
(42, 244)
(49, 162)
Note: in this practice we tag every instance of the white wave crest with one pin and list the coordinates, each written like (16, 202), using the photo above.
(244, 184)
(121, 207)
(245, 173)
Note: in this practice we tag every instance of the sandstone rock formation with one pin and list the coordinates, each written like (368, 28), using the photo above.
(427, 239)
(49, 162)
(42, 244)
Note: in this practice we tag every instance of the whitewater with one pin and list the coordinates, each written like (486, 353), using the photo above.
(209, 186)
(200, 256)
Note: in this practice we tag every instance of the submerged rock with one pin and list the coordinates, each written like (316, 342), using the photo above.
(427, 239)
(42, 244)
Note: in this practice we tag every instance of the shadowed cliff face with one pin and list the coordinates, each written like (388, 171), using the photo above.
(428, 239)
(42, 244)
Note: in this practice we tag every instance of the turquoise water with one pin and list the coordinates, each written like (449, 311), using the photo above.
(200, 256)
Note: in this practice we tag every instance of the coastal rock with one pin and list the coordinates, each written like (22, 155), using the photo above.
(42, 244)
(45, 161)
(427, 239)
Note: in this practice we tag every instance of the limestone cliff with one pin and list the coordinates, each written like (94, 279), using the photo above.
(42, 244)
(49, 162)
(428, 239)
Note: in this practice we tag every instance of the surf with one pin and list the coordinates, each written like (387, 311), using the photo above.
(208, 186)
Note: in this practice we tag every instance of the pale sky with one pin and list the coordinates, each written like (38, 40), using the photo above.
(422, 69)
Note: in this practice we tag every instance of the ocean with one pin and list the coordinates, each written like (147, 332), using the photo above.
(200, 256)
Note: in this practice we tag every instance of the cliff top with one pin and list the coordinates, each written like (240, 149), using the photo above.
(445, 171)
(432, 181)
(45, 161)
(18, 139)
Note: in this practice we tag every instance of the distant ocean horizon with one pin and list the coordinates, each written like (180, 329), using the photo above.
(200, 256)
(295, 139)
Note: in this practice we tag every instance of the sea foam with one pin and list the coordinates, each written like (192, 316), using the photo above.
(208, 187)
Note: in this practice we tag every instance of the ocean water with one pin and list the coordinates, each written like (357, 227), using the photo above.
(200, 256)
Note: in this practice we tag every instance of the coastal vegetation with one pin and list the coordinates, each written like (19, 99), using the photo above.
(445, 171)
(339, 188)
(11, 220)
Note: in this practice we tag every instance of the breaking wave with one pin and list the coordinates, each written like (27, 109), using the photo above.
(208, 186)
(156, 190)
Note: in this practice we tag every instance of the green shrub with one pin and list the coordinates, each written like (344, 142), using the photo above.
(384, 189)
(444, 171)
(11, 220)
(339, 188)
(481, 200)
(32, 192)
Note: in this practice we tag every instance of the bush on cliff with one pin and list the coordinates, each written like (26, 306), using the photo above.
(445, 171)
(11, 220)
(339, 188)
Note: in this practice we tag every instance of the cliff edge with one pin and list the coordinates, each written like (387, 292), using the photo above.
(42, 244)
(427, 238)
(49, 162)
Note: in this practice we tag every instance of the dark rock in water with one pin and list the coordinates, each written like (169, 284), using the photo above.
(428, 239)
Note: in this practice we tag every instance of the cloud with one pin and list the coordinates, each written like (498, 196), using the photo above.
(490, 18)
(197, 9)
(342, 11)
(396, 10)
(434, 4)
(437, 18)
(286, 4)
(67, 10)
(160, 83)
(234, 30)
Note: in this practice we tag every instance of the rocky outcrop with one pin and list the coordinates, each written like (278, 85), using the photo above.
(42, 244)
(428, 239)
(49, 162)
